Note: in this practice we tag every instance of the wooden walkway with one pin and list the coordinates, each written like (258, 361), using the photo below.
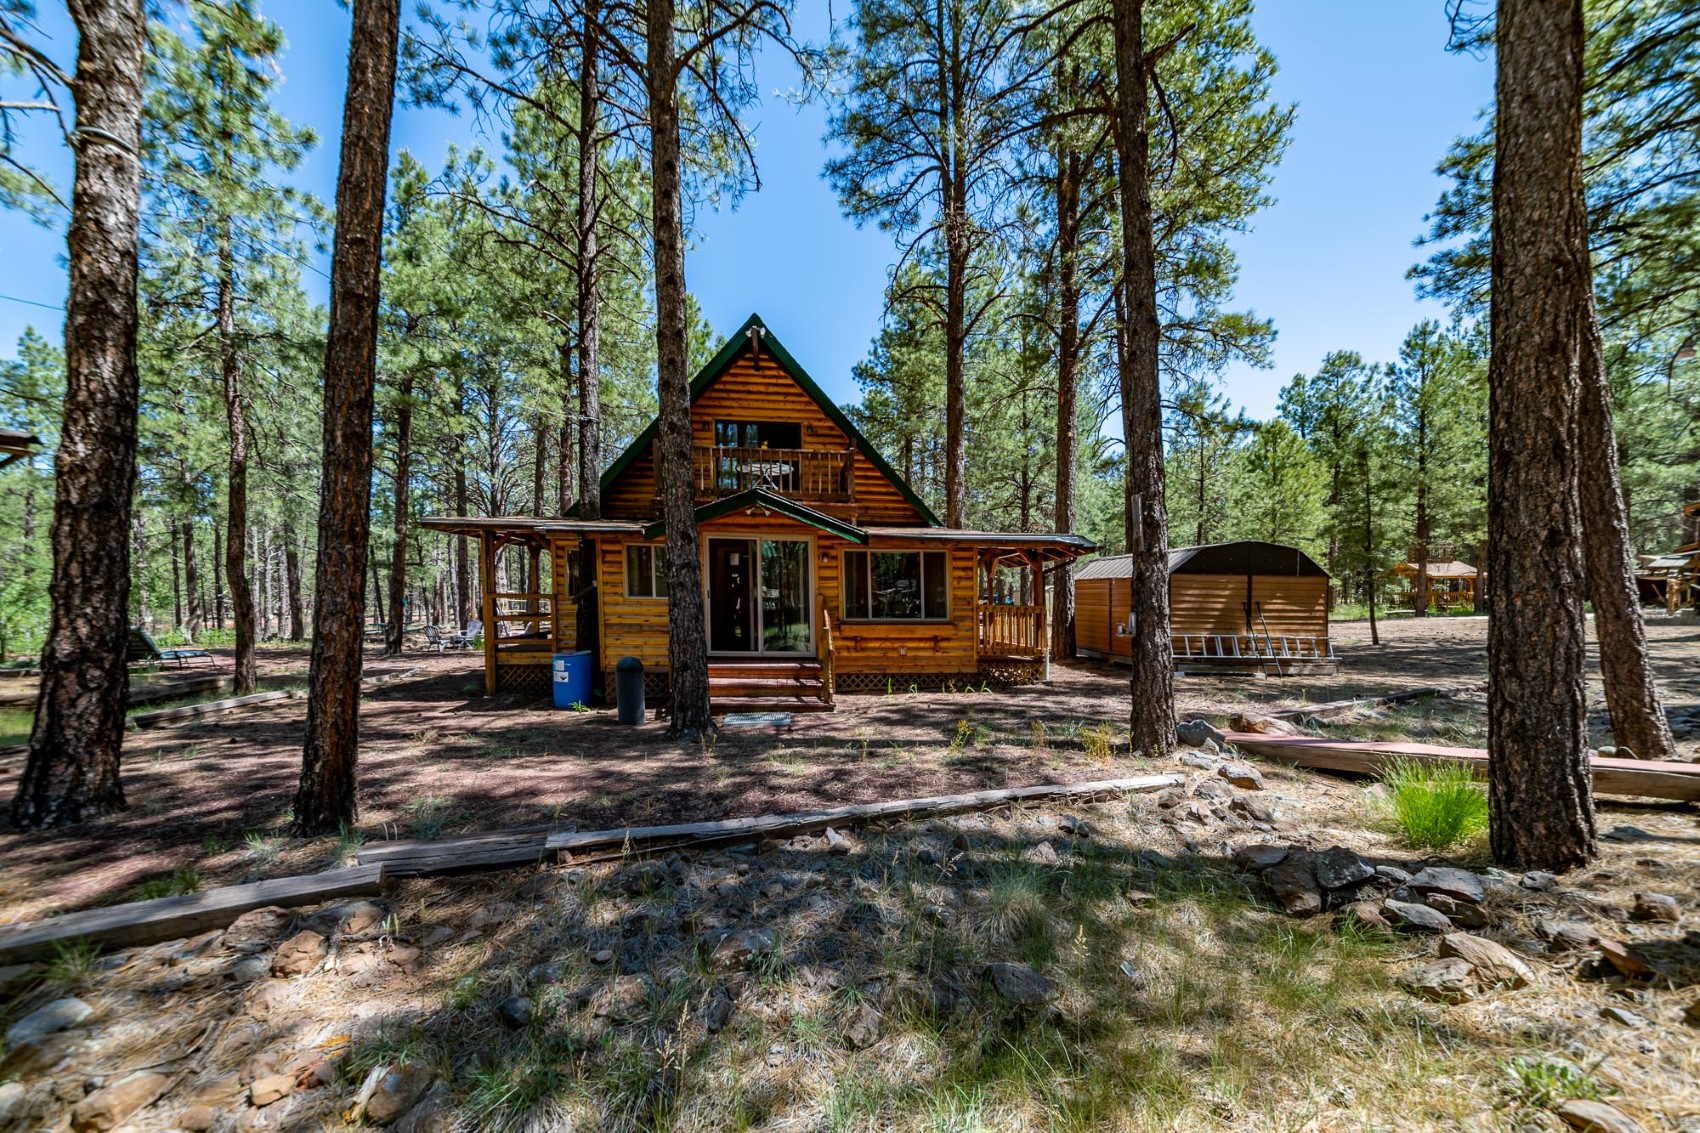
(1640, 778)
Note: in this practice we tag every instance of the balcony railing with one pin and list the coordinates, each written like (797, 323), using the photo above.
(1011, 631)
(806, 474)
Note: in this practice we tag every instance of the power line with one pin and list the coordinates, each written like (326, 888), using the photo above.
(33, 303)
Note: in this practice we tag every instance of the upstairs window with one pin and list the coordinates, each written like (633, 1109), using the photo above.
(758, 434)
(896, 586)
(646, 571)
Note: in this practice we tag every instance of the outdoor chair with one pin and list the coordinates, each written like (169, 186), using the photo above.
(434, 638)
(465, 638)
(142, 649)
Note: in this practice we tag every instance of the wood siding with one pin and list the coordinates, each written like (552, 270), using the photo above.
(1204, 604)
(760, 390)
(1293, 607)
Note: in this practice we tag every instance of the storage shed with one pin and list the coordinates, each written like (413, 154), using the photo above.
(1233, 607)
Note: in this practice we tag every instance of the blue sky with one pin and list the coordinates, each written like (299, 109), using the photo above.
(1379, 100)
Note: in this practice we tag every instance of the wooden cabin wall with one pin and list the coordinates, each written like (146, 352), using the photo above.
(1292, 607)
(566, 610)
(761, 390)
(1207, 604)
(638, 626)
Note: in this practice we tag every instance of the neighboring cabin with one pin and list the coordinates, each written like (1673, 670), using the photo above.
(822, 569)
(1233, 607)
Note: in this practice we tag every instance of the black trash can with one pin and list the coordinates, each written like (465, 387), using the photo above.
(628, 689)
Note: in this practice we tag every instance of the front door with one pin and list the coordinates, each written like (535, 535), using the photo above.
(759, 597)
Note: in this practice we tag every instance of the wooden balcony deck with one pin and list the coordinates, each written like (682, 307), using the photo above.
(827, 475)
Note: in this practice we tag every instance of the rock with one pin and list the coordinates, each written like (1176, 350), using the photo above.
(432, 1113)
(1419, 918)
(1369, 913)
(57, 1016)
(109, 1106)
(941, 915)
(1200, 762)
(299, 954)
(737, 950)
(1394, 874)
(1242, 775)
(838, 843)
(1539, 880)
(1214, 790)
(11, 1102)
(1459, 912)
(403, 956)
(1020, 984)
(250, 968)
(515, 1012)
(1259, 857)
(1596, 1117)
(1459, 884)
(602, 956)
(1623, 1015)
(1264, 725)
(1042, 854)
(267, 996)
(197, 1118)
(717, 1012)
(1193, 811)
(1565, 936)
(1495, 964)
(254, 930)
(861, 1026)
(362, 917)
(271, 1088)
(1251, 809)
(1625, 959)
(622, 1001)
(1294, 885)
(14, 976)
(1075, 825)
(1339, 867)
(1197, 733)
(1451, 980)
(1656, 907)
(391, 1091)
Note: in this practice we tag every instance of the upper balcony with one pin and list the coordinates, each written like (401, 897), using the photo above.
(821, 475)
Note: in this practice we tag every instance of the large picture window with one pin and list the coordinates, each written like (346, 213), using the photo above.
(896, 586)
(646, 571)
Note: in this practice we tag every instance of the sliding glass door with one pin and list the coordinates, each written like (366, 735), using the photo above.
(759, 597)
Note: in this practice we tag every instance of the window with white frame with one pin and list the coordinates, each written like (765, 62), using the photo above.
(646, 571)
(896, 586)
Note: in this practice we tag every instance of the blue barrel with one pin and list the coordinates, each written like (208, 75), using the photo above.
(572, 679)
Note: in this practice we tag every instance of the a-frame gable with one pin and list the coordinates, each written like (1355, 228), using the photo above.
(638, 457)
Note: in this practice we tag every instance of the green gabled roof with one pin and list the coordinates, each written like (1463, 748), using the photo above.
(721, 362)
(756, 497)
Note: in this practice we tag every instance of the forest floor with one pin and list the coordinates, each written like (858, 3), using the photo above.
(1099, 966)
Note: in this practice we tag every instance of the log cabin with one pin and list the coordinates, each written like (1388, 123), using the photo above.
(1451, 583)
(823, 571)
(1233, 607)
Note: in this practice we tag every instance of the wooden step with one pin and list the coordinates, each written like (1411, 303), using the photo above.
(807, 668)
(764, 686)
(721, 705)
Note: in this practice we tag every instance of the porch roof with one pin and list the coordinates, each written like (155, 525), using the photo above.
(523, 525)
(757, 497)
(1047, 544)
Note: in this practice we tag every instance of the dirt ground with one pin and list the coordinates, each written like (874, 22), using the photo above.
(437, 757)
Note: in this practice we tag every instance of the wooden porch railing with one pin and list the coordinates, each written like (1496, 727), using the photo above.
(1011, 631)
(828, 655)
(808, 474)
(533, 614)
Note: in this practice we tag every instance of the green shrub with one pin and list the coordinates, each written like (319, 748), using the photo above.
(1434, 805)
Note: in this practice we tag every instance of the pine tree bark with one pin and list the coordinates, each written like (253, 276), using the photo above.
(564, 435)
(72, 770)
(589, 361)
(326, 798)
(395, 631)
(1152, 723)
(176, 577)
(292, 575)
(1068, 360)
(236, 418)
(1637, 717)
(1539, 794)
(194, 606)
(463, 557)
(218, 575)
(687, 639)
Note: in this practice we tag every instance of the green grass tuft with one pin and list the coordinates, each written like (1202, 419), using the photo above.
(174, 884)
(1434, 805)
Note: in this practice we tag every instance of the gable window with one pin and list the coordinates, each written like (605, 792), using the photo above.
(758, 434)
(896, 586)
(646, 571)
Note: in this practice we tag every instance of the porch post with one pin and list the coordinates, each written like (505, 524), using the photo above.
(1039, 592)
(487, 587)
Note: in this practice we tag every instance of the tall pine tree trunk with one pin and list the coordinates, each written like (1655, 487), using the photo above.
(236, 417)
(1540, 798)
(326, 798)
(588, 628)
(1637, 718)
(176, 577)
(72, 771)
(396, 630)
(564, 436)
(194, 607)
(1068, 359)
(687, 638)
(1152, 723)
(292, 575)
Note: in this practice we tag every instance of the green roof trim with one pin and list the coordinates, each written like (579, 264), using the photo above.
(757, 497)
(721, 362)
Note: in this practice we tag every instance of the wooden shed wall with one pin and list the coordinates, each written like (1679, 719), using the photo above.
(1292, 607)
(752, 391)
(1101, 604)
(1203, 604)
(1207, 603)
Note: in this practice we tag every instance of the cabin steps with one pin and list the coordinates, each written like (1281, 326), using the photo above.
(767, 686)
